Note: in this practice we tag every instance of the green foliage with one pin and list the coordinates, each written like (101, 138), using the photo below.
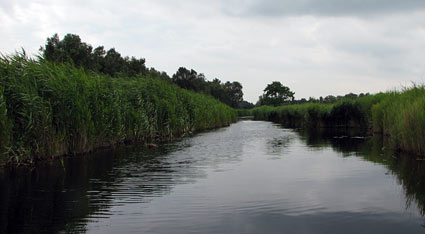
(400, 115)
(244, 112)
(229, 93)
(72, 49)
(50, 109)
(245, 105)
(276, 94)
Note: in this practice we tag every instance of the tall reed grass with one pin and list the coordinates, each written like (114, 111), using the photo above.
(49, 109)
(397, 114)
(402, 117)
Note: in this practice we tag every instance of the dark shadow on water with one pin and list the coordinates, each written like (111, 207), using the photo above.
(58, 196)
(63, 195)
(409, 170)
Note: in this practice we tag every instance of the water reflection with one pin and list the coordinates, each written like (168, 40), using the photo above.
(65, 195)
(276, 146)
(251, 177)
(409, 170)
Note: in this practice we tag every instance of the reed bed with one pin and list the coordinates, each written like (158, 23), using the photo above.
(397, 114)
(49, 110)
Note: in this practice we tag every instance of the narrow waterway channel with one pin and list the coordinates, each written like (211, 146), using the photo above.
(251, 177)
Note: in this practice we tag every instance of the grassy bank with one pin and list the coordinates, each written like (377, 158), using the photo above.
(399, 115)
(48, 109)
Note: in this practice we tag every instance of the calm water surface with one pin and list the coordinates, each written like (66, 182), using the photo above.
(251, 177)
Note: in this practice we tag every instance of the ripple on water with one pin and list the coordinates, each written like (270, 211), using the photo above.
(251, 177)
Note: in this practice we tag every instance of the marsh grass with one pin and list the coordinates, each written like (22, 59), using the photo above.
(48, 110)
(401, 115)
(397, 114)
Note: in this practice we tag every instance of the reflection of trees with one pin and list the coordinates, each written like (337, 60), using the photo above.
(341, 139)
(277, 145)
(408, 169)
(50, 198)
(411, 175)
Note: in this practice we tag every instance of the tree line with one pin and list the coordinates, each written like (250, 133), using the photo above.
(72, 49)
(276, 94)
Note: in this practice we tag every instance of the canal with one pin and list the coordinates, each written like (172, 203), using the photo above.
(250, 177)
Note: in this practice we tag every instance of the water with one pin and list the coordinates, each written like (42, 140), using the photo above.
(251, 177)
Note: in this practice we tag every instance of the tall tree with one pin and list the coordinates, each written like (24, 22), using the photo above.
(71, 48)
(190, 79)
(234, 93)
(276, 94)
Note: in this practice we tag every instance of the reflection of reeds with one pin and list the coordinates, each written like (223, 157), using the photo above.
(400, 115)
(409, 171)
(51, 109)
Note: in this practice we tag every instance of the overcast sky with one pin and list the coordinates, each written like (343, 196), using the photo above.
(315, 47)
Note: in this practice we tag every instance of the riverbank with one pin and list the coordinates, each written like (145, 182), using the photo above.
(400, 115)
(49, 110)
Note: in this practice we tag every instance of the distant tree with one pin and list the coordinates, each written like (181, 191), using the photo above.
(216, 89)
(245, 105)
(229, 93)
(72, 49)
(330, 99)
(114, 63)
(137, 67)
(234, 93)
(313, 99)
(351, 96)
(276, 94)
(189, 79)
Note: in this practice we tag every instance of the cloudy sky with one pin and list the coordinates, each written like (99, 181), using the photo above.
(315, 47)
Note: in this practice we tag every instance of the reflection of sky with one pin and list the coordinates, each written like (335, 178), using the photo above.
(248, 190)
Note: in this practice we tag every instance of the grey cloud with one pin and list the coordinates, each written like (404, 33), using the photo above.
(276, 8)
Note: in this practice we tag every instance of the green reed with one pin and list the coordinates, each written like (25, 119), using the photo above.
(398, 114)
(49, 109)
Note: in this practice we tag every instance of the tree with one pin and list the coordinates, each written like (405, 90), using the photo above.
(71, 48)
(113, 62)
(276, 94)
(234, 93)
(245, 105)
(189, 79)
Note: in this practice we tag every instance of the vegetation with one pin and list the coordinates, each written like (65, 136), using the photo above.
(49, 109)
(244, 112)
(229, 93)
(72, 49)
(400, 115)
(276, 94)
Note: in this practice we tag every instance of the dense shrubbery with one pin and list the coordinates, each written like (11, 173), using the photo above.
(49, 109)
(400, 115)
